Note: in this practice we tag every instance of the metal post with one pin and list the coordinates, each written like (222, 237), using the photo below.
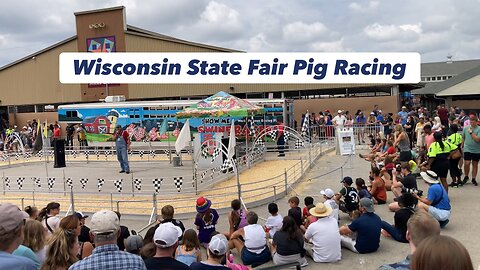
(133, 189)
(118, 206)
(9, 162)
(341, 172)
(286, 183)
(3, 183)
(310, 155)
(274, 194)
(155, 206)
(301, 164)
(33, 197)
(72, 201)
(64, 184)
(169, 152)
(239, 191)
(111, 201)
(23, 203)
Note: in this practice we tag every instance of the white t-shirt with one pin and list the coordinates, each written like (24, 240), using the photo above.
(255, 238)
(325, 237)
(339, 120)
(274, 223)
(333, 204)
(53, 222)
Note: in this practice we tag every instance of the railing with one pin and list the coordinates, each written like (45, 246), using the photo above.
(361, 132)
(146, 203)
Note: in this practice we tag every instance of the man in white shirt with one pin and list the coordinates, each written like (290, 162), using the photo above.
(339, 120)
(323, 236)
(328, 195)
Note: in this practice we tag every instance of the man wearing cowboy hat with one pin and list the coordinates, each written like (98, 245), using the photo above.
(437, 202)
(367, 226)
(323, 237)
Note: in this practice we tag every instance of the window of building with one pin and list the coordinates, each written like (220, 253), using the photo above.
(25, 108)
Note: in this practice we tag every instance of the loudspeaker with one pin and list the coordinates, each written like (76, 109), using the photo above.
(59, 153)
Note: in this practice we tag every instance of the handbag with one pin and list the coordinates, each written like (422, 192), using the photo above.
(455, 154)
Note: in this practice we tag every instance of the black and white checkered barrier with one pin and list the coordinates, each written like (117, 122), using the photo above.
(299, 144)
(157, 184)
(118, 184)
(83, 182)
(137, 183)
(50, 182)
(37, 182)
(20, 182)
(70, 183)
(7, 182)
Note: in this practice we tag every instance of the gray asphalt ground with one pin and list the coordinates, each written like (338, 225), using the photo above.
(463, 222)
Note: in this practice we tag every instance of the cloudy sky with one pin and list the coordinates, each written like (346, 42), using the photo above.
(434, 28)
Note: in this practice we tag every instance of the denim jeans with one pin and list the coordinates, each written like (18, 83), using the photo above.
(394, 232)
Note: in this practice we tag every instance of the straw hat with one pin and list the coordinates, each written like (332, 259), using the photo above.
(321, 210)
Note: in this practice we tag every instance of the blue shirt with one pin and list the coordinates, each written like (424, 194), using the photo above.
(26, 252)
(109, 257)
(404, 116)
(361, 119)
(368, 228)
(10, 262)
(435, 193)
(380, 118)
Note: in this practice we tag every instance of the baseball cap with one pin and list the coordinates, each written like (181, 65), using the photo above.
(133, 243)
(218, 245)
(339, 111)
(166, 235)
(348, 180)
(367, 204)
(11, 216)
(372, 113)
(104, 221)
(80, 215)
(328, 192)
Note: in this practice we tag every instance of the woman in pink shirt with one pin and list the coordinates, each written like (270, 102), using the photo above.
(427, 129)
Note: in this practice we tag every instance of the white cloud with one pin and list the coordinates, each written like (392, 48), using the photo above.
(380, 32)
(219, 14)
(359, 8)
(301, 32)
(333, 46)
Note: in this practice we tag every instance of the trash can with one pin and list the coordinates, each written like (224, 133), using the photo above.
(177, 161)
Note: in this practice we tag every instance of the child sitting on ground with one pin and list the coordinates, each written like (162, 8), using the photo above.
(237, 218)
(189, 251)
(295, 212)
(308, 203)
(274, 222)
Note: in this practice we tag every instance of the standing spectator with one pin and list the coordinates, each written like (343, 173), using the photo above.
(48, 217)
(12, 222)
(420, 226)
(409, 129)
(216, 254)
(367, 226)
(82, 135)
(407, 203)
(361, 121)
(124, 234)
(295, 212)
(455, 172)
(427, 130)
(254, 251)
(339, 120)
(281, 139)
(419, 133)
(403, 143)
(438, 155)
(32, 212)
(237, 218)
(35, 238)
(287, 245)
(70, 131)
(471, 148)
(437, 124)
(403, 114)
(205, 220)
(274, 221)
(350, 197)
(122, 145)
(441, 252)
(57, 133)
(462, 118)
(371, 121)
(323, 236)
(50, 135)
(105, 229)
(437, 202)
(62, 250)
(189, 251)
(443, 115)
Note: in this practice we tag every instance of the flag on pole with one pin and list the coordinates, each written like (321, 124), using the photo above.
(183, 138)
(163, 127)
(306, 125)
(232, 141)
(45, 130)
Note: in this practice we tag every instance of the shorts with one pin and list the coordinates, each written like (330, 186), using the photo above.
(471, 156)
(440, 167)
(439, 214)
(405, 156)
(254, 259)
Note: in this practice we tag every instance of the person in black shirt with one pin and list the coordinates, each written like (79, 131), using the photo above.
(295, 212)
(167, 216)
(124, 234)
(85, 231)
(407, 183)
(350, 197)
(398, 232)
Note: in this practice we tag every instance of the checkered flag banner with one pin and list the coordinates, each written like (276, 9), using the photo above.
(152, 153)
(118, 184)
(40, 154)
(226, 165)
(17, 155)
(86, 154)
(260, 143)
(27, 156)
(286, 135)
(306, 125)
(252, 126)
(215, 154)
(50, 182)
(5, 157)
(178, 181)
(20, 182)
(97, 153)
(213, 173)
(74, 153)
(299, 144)
(202, 176)
(137, 183)
(141, 154)
(100, 183)
(167, 152)
(7, 182)
(157, 183)
(130, 152)
(83, 182)
(273, 134)
(107, 153)
(36, 180)
(51, 153)
(70, 183)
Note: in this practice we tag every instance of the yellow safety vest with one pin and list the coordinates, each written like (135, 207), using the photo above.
(435, 151)
(455, 138)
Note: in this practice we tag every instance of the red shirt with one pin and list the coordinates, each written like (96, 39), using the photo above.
(56, 132)
(391, 150)
(125, 135)
(443, 114)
